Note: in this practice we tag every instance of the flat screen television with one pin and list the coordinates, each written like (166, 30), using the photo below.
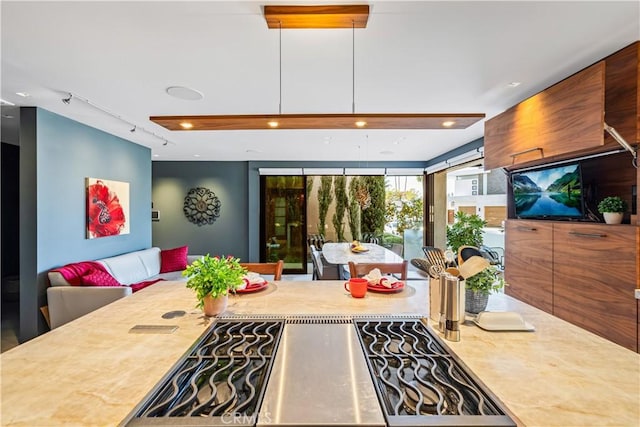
(553, 192)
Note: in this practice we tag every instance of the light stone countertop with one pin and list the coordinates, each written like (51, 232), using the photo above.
(93, 372)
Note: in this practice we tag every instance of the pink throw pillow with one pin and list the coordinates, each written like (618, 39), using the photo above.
(99, 278)
(173, 259)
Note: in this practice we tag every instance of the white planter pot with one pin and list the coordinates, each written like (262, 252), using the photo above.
(612, 217)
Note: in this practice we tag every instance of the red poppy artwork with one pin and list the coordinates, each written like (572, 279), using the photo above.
(107, 208)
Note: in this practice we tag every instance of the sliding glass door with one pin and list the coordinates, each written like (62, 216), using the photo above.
(283, 220)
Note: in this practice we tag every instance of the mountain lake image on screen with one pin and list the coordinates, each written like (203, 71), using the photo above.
(552, 192)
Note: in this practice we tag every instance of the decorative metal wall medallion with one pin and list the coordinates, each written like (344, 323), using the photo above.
(201, 206)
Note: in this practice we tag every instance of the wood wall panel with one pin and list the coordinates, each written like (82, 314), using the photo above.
(594, 278)
(471, 210)
(494, 215)
(622, 99)
(529, 262)
(565, 118)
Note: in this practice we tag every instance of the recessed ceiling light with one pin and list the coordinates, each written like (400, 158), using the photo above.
(514, 84)
(3, 102)
(386, 152)
(361, 123)
(273, 124)
(185, 93)
(23, 94)
(156, 155)
(196, 155)
(448, 123)
(186, 125)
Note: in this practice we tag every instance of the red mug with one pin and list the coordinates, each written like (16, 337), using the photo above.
(357, 287)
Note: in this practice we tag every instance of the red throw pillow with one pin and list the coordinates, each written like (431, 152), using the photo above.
(99, 278)
(173, 259)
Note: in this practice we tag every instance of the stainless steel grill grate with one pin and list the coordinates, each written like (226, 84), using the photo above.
(415, 376)
(222, 378)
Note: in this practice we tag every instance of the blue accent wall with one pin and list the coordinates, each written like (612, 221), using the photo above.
(57, 154)
(68, 152)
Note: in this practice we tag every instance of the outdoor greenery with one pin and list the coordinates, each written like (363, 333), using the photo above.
(485, 282)
(612, 204)
(465, 231)
(324, 200)
(309, 185)
(373, 217)
(354, 210)
(405, 209)
(340, 191)
(388, 239)
(214, 276)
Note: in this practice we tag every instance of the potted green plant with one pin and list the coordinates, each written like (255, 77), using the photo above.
(467, 230)
(479, 286)
(612, 208)
(212, 278)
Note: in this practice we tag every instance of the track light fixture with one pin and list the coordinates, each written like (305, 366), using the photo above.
(134, 128)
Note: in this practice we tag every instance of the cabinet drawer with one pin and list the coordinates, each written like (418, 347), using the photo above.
(595, 274)
(529, 262)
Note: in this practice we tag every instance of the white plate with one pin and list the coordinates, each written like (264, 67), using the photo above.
(502, 321)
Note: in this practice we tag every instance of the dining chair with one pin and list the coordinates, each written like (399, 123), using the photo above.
(315, 259)
(325, 270)
(397, 248)
(361, 269)
(466, 252)
(274, 268)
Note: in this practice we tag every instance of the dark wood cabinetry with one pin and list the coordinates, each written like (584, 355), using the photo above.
(567, 119)
(528, 266)
(583, 273)
(564, 118)
(595, 273)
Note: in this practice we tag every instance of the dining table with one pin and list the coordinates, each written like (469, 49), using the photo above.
(342, 253)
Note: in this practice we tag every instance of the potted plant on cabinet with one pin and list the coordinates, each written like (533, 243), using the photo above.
(479, 286)
(212, 278)
(612, 208)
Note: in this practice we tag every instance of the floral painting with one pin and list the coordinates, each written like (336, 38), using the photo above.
(107, 208)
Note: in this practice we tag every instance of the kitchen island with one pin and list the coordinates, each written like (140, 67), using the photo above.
(93, 371)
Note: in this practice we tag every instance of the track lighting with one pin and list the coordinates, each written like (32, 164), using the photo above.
(134, 129)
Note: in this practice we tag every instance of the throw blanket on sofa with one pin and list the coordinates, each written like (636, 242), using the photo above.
(90, 273)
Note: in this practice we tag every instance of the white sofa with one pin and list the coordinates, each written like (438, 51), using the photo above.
(67, 302)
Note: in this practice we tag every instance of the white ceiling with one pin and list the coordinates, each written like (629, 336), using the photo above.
(413, 57)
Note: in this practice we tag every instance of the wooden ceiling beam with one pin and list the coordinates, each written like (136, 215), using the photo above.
(317, 121)
(339, 16)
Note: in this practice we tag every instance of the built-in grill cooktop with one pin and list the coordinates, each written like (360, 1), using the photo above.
(345, 370)
(416, 378)
(221, 381)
